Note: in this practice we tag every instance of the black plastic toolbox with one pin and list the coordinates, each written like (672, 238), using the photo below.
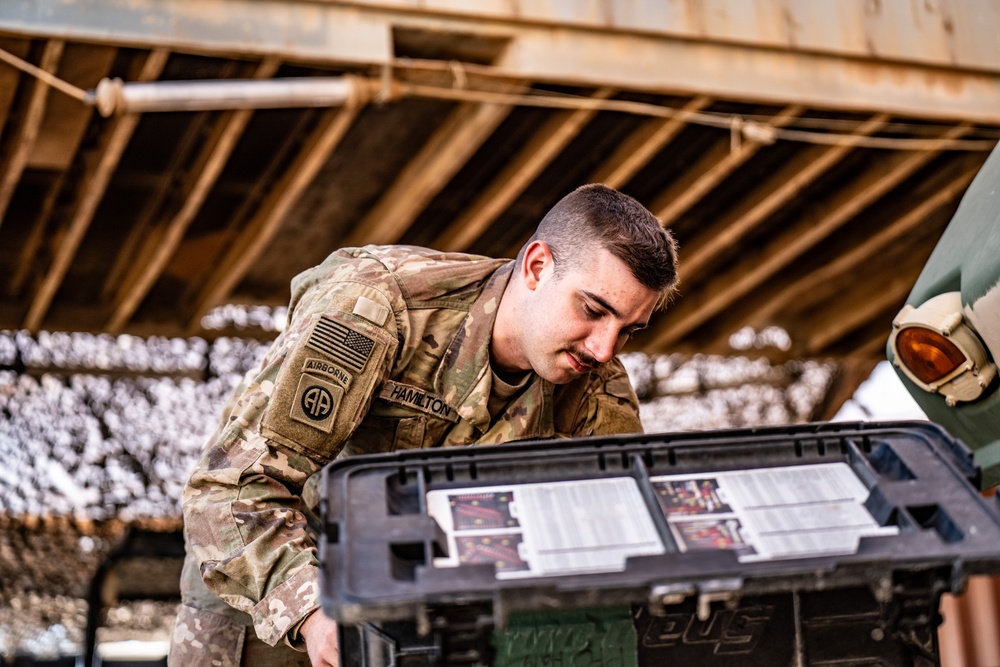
(815, 544)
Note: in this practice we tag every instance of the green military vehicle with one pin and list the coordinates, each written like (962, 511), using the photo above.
(946, 339)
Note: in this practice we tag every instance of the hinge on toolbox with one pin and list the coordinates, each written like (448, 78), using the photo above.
(911, 614)
(464, 634)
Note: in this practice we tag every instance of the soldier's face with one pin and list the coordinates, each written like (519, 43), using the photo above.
(582, 317)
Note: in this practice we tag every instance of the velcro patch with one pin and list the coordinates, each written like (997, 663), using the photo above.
(347, 346)
(372, 311)
(418, 399)
(326, 369)
(316, 402)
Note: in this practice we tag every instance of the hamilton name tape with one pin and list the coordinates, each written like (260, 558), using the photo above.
(414, 397)
(332, 371)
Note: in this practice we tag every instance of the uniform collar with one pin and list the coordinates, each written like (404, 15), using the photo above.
(464, 378)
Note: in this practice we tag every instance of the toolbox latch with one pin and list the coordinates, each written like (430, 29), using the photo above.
(726, 590)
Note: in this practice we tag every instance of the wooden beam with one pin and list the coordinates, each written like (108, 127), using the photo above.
(545, 145)
(89, 194)
(258, 233)
(67, 118)
(15, 154)
(889, 294)
(922, 60)
(872, 347)
(162, 185)
(59, 141)
(450, 147)
(35, 239)
(678, 199)
(869, 340)
(785, 300)
(9, 76)
(789, 184)
(162, 244)
(636, 152)
(796, 241)
(864, 252)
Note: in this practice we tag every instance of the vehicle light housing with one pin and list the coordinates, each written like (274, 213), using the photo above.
(937, 348)
(927, 353)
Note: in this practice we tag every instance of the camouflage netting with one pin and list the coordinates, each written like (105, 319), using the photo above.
(98, 433)
(682, 393)
(97, 446)
(87, 453)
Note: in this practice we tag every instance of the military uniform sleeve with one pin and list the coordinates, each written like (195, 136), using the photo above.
(601, 403)
(245, 520)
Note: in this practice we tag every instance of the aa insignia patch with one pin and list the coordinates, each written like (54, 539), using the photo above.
(316, 402)
(345, 345)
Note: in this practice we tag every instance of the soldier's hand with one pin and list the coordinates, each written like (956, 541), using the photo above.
(320, 634)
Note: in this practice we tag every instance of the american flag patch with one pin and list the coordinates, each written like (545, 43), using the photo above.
(345, 345)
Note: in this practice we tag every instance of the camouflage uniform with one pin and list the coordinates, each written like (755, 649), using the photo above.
(387, 348)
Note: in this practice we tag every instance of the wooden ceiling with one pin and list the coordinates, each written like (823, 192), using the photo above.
(797, 167)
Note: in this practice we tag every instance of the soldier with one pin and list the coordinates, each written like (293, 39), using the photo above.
(393, 347)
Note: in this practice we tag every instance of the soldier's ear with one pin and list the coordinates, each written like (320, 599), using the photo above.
(537, 260)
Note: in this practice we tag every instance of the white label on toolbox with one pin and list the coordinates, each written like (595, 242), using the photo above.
(530, 530)
(769, 513)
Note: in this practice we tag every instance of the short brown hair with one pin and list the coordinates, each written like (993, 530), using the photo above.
(598, 215)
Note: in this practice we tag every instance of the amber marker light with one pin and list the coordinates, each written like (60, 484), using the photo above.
(940, 351)
(928, 354)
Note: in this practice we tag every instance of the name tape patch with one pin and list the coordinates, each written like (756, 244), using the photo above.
(414, 397)
(326, 369)
(347, 346)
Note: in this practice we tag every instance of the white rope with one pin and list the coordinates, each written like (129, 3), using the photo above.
(43, 76)
(748, 130)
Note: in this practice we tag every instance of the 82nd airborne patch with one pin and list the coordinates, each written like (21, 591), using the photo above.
(316, 402)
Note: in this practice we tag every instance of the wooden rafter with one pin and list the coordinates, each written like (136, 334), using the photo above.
(716, 168)
(15, 157)
(262, 227)
(862, 253)
(794, 242)
(69, 128)
(731, 231)
(161, 186)
(544, 146)
(636, 152)
(867, 341)
(450, 147)
(10, 76)
(140, 245)
(913, 62)
(161, 245)
(889, 294)
(872, 347)
(36, 238)
(92, 186)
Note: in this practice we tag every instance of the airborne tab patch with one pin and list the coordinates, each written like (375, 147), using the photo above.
(345, 345)
(321, 367)
(418, 399)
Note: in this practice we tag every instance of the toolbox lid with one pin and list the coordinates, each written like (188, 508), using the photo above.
(651, 519)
